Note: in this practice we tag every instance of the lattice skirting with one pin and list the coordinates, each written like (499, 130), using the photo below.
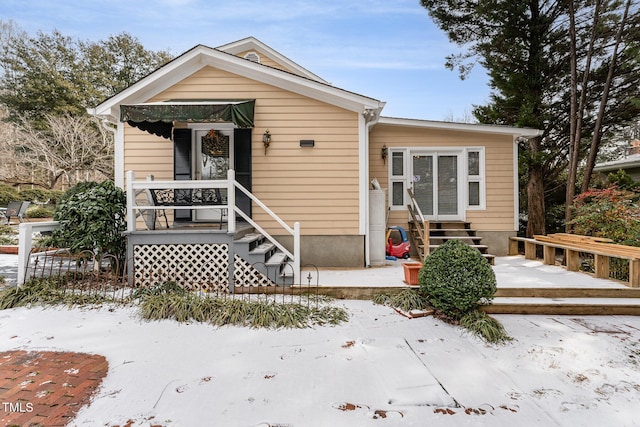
(244, 274)
(203, 266)
(196, 266)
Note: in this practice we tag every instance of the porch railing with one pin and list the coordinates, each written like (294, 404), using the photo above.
(26, 231)
(135, 187)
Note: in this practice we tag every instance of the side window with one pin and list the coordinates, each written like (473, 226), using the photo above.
(475, 178)
(397, 178)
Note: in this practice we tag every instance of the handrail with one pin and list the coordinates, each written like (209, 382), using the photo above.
(295, 231)
(422, 225)
(231, 185)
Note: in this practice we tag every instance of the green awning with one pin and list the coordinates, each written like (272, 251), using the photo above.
(158, 118)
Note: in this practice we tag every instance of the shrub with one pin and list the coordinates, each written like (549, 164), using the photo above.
(457, 278)
(406, 300)
(39, 212)
(8, 235)
(485, 327)
(186, 307)
(611, 212)
(55, 196)
(36, 195)
(92, 217)
(8, 194)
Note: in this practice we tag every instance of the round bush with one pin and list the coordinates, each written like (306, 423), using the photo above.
(456, 278)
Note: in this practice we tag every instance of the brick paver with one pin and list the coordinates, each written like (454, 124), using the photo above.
(46, 388)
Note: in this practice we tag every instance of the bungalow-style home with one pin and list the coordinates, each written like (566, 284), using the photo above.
(229, 151)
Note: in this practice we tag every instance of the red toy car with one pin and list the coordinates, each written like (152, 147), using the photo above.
(398, 244)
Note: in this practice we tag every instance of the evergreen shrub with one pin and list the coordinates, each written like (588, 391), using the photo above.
(456, 278)
(8, 194)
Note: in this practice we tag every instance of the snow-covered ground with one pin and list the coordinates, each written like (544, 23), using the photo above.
(378, 369)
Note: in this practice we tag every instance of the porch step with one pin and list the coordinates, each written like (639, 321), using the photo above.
(565, 306)
(441, 231)
(263, 256)
(452, 231)
(569, 301)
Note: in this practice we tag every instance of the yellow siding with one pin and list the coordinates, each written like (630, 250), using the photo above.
(317, 186)
(499, 184)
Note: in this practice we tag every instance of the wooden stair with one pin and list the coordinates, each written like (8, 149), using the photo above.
(427, 236)
(566, 301)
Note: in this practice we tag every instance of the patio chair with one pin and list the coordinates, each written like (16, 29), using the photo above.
(150, 216)
(15, 209)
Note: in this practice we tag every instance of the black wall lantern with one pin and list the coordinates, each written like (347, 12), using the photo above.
(266, 140)
(384, 152)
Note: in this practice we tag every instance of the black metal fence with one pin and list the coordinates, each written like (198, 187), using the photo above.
(86, 274)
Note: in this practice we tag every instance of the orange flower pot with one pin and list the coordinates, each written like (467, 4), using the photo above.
(411, 270)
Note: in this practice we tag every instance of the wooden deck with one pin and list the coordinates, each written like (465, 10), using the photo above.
(524, 287)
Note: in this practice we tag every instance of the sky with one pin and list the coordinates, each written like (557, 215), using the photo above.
(389, 50)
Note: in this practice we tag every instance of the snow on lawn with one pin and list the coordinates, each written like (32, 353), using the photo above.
(379, 369)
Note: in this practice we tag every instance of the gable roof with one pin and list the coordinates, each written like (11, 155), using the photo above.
(202, 56)
(251, 43)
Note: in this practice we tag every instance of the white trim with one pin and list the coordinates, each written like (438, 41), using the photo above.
(251, 43)
(363, 161)
(202, 56)
(516, 188)
(118, 156)
(404, 178)
(482, 178)
(461, 182)
(465, 127)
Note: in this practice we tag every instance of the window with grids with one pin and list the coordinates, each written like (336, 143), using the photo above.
(397, 178)
(475, 178)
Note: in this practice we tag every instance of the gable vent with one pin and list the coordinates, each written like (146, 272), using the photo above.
(252, 56)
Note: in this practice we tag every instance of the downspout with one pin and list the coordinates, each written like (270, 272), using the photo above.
(371, 117)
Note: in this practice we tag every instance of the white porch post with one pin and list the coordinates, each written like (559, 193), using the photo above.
(131, 198)
(25, 235)
(231, 201)
(296, 252)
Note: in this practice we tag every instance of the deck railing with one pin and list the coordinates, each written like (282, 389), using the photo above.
(136, 187)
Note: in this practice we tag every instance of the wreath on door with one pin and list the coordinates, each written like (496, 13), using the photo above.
(214, 142)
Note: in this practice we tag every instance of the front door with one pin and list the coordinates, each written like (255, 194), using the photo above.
(214, 148)
(195, 158)
(436, 185)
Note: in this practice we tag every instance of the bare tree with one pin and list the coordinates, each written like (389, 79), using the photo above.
(69, 145)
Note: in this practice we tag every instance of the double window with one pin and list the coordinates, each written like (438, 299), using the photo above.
(402, 177)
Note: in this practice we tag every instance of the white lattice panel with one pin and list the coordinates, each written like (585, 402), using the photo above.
(195, 266)
(244, 274)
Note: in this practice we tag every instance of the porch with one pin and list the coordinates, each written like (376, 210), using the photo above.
(197, 231)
